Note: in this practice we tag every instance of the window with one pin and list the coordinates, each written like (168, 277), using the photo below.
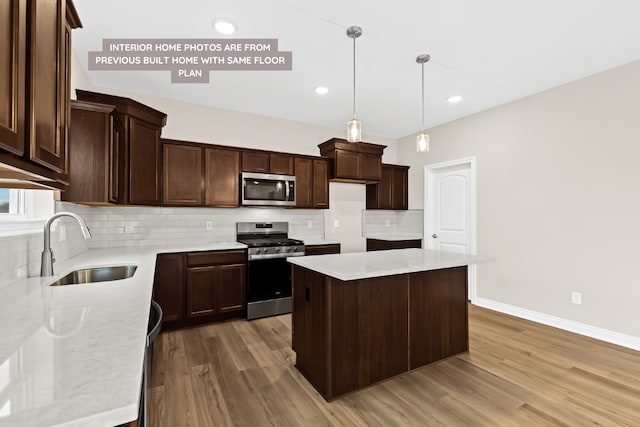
(12, 202)
(23, 211)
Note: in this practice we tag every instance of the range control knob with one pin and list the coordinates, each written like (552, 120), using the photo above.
(277, 250)
(258, 251)
(289, 249)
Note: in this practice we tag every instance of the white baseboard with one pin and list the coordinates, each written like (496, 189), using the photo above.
(558, 322)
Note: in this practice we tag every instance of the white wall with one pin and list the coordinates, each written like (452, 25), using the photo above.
(558, 202)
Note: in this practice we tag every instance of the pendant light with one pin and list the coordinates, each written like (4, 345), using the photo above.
(423, 139)
(354, 127)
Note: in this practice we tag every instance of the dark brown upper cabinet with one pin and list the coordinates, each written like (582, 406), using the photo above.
(359, 162)
(222, 177)
(12, 73)
(35, 48)
(196, 174)
(95, 145)
(142, 151)
(312, 183)
(253, 161)
(281, 164)
(265, 162)
(181, 174)
(392, 190)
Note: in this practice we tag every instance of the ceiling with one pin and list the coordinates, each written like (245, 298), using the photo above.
(490, 52)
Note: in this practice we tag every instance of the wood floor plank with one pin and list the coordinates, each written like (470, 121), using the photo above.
(517, 373)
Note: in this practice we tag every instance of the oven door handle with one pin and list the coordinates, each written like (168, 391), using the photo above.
(274, 256)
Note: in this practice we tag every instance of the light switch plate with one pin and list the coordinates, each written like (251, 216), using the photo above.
(309, 224)
(209, 225)
(336, 223)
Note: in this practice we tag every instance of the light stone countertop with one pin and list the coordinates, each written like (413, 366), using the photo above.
(73, 355)
(363, 265)
(317, 241)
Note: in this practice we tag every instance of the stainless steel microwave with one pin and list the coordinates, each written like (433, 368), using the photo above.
(261, 189)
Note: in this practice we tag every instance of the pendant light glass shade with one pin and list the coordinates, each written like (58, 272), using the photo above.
(354, 131)
(422, 141)
(354, 127)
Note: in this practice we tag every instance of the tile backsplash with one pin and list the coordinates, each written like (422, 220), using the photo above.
(378, 222)
(141, 226)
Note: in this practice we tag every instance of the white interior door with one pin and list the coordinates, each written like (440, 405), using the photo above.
(450, 210)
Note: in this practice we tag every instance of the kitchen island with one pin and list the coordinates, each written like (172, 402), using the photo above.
(359, 318)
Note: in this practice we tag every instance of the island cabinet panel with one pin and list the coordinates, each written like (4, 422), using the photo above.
(181, 175)
(368, 332)
(221, 177)
(350, 334)
(309, 338)
(438, 324)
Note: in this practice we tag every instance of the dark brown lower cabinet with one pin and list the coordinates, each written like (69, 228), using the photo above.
(383, 245)
(168, 286)
(202, 295)
(348, 335)
(200, 287)
(333, 248)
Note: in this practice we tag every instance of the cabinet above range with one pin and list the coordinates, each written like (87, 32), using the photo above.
(198, 174)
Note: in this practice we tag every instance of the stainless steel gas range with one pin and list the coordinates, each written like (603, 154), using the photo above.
(268, 273)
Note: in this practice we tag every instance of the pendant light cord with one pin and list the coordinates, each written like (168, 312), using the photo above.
(354, 78)
(422, 97)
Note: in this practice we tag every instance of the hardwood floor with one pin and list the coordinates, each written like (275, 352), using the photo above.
(517, 373)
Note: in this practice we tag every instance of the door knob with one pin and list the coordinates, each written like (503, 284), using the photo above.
(434, 235)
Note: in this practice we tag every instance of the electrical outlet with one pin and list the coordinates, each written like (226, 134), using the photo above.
(309, 224)
(386, 223)
(336, 223)
(209, 226)
(128, 227)
(62, 233)
(576, 297)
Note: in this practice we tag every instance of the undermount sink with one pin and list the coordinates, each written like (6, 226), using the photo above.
(96, 274)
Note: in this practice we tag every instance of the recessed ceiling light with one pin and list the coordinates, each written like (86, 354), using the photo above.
(454, 99)
(321, 90)
(224, 26)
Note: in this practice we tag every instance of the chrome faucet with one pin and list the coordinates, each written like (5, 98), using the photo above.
(46, 268)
